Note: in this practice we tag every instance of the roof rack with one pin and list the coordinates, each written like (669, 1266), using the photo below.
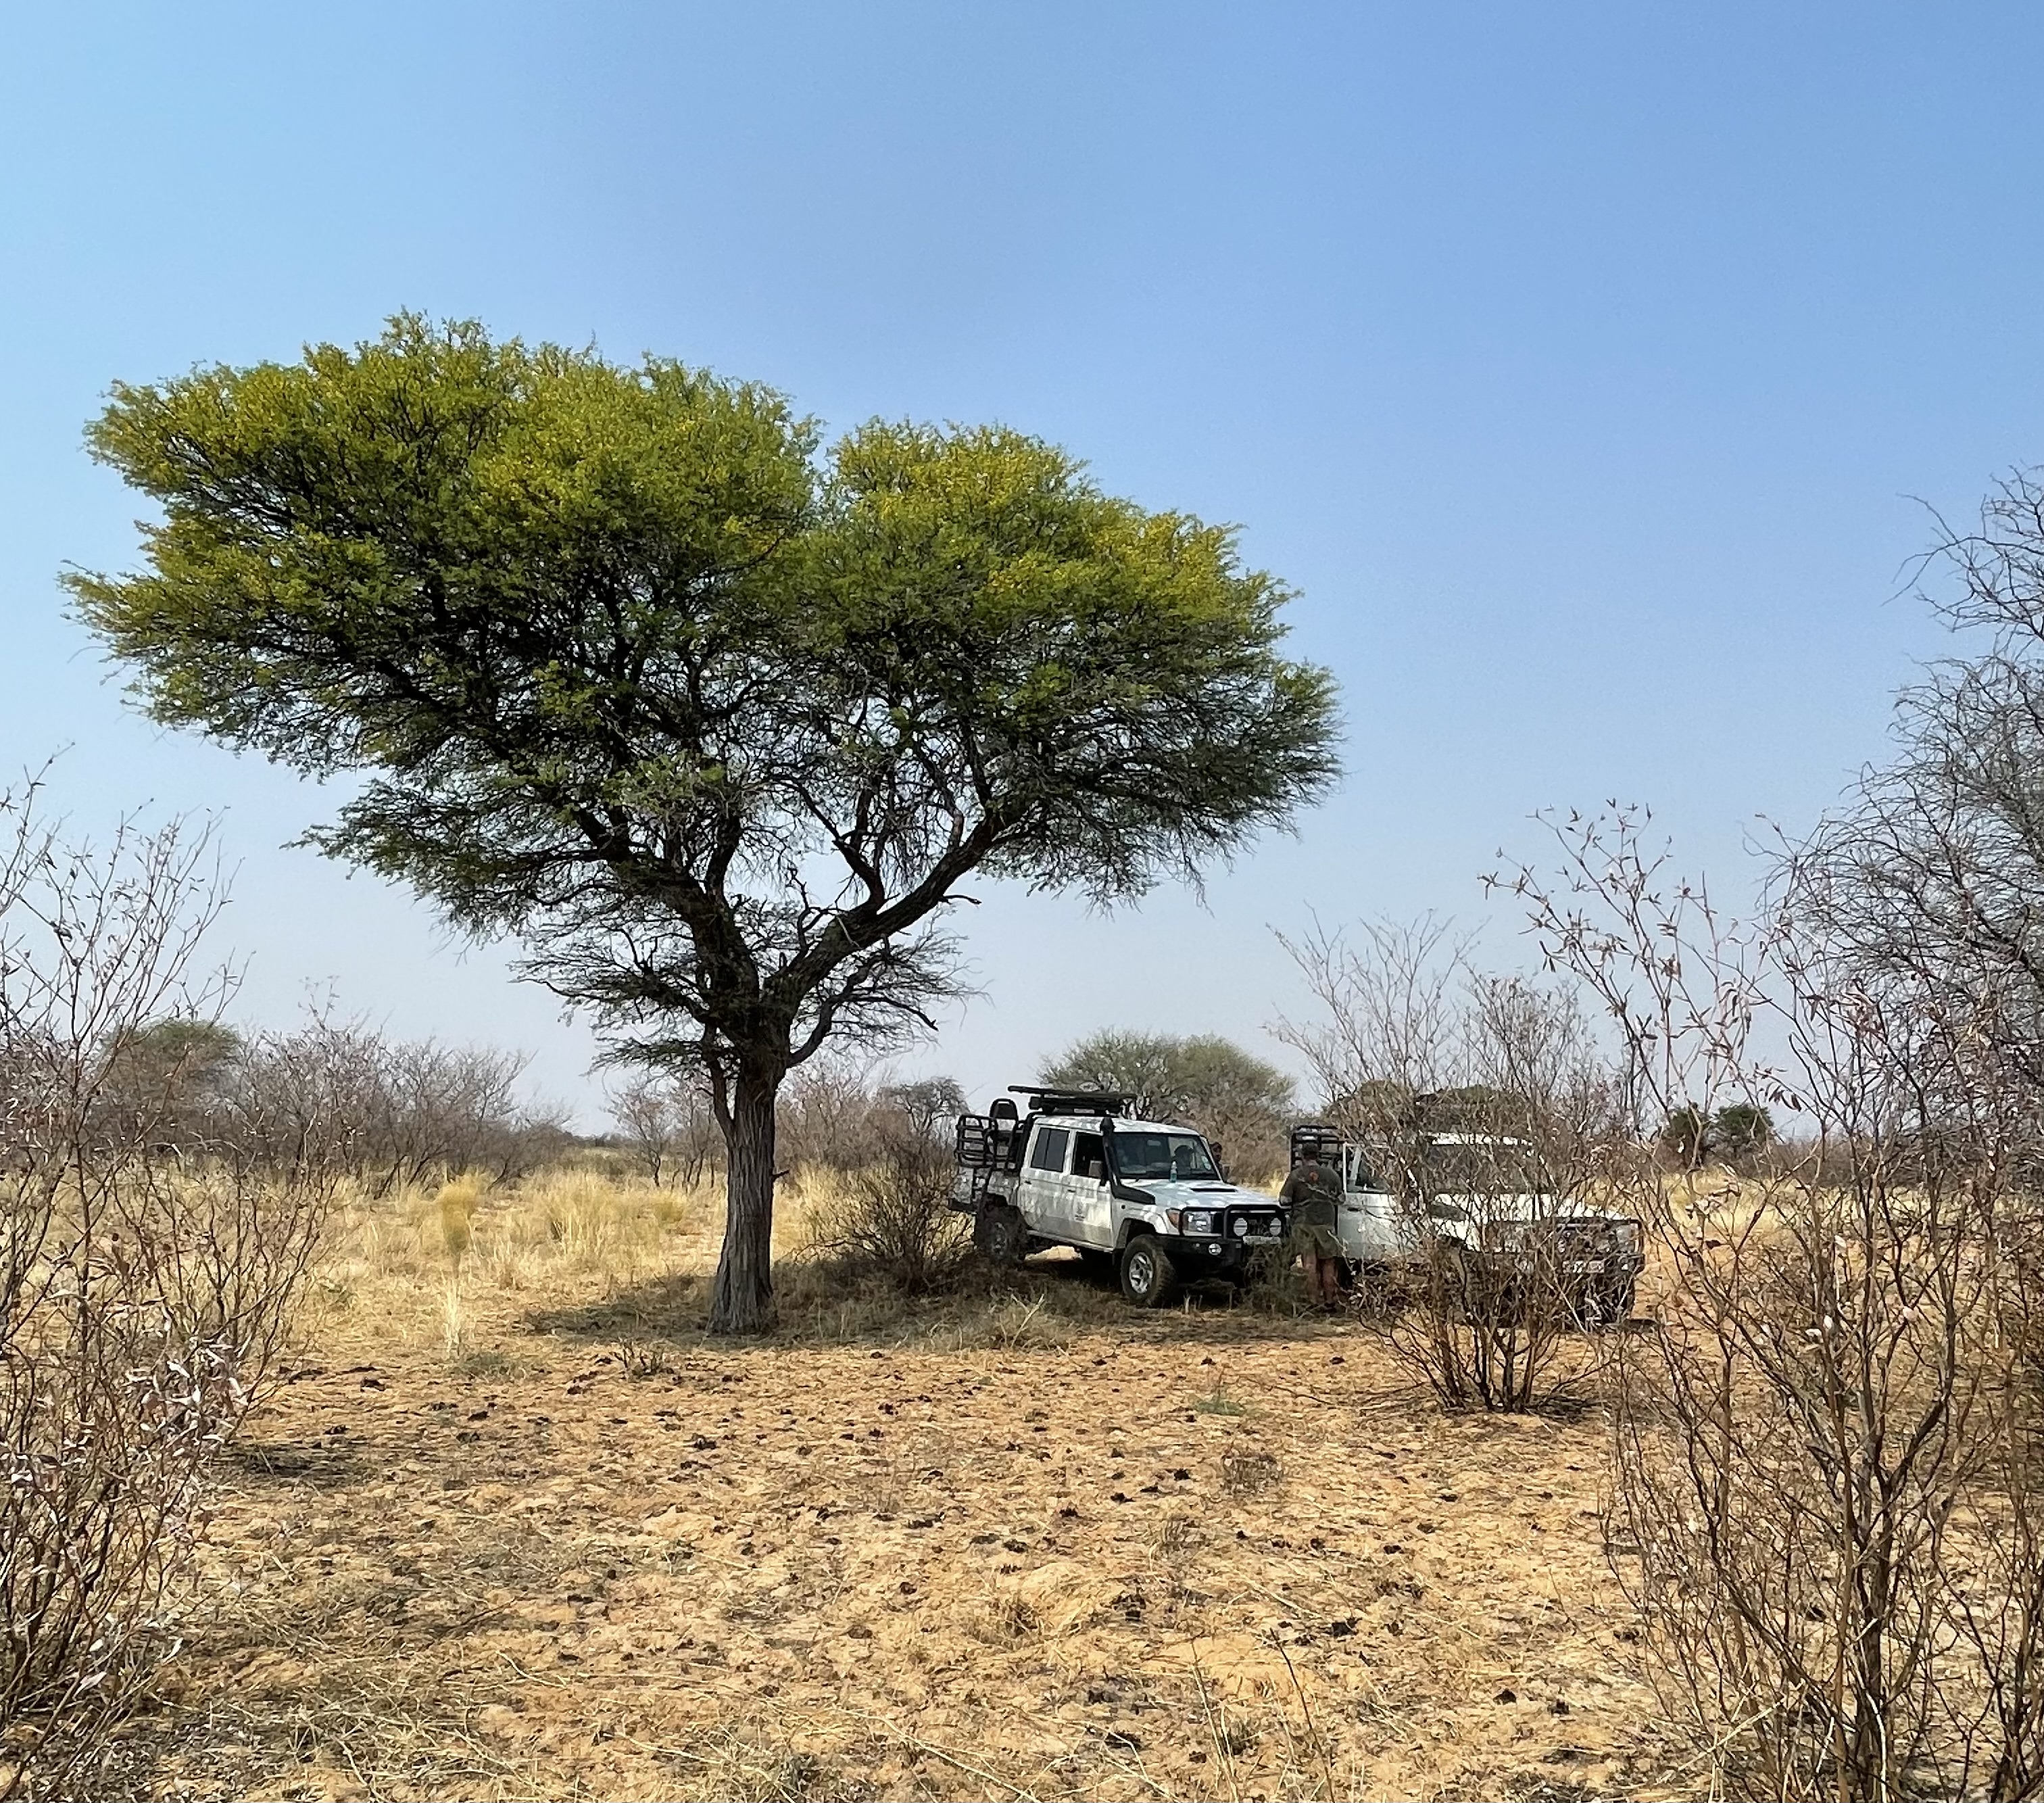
(1074, 1102)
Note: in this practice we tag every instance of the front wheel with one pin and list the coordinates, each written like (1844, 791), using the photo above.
(1147, 1279)
(1610, 1306)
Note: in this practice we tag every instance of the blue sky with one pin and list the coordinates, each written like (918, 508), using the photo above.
(1586, 368)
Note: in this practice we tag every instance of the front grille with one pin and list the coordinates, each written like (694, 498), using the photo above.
(1574, 1240)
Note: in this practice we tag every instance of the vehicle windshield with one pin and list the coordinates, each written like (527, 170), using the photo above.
(1482, 1166)
(1145, 1157)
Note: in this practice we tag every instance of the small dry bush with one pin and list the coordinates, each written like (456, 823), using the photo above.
(455, 1206)
(592, 1222)
(1481, 1101)
(1247, 1471)
(1011, 1324)
(143, 1303)
(888, 1214)
(1825, 1486)
(1007, 1622)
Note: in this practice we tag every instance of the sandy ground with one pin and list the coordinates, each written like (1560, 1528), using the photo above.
(1042, 1548)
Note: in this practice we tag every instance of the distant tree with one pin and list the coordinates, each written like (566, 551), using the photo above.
(1740, 1131)
(1736, 1134)
(1685, 1136)
(174, 1075)
(926, 1106)
(717, 724)
(665, 1120)
(1231, 1095)
(1141, 1065)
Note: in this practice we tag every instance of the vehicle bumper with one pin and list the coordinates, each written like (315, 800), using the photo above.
(1194, 1253)
(1613, 1268)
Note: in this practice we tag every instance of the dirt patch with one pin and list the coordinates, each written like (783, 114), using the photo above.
(953, 1563)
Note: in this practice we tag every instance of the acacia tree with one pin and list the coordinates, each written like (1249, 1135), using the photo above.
(1930, 880)
(715, 721)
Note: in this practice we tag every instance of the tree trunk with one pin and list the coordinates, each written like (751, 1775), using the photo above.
(743, 1299)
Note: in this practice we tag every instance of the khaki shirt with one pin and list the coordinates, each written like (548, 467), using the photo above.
(1314, 1196)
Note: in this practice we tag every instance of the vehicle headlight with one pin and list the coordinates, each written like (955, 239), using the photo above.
(1199, 1221)
(1241, 1226)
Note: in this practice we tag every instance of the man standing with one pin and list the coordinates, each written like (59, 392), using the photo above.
(1312, 1193)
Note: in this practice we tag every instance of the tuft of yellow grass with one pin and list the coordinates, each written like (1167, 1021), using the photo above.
(455, 1204)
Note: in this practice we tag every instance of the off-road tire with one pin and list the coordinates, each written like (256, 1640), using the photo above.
(1148, 1278)
(1611, 1305)
(1002, 1234)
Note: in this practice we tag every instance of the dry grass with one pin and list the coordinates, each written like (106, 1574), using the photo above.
(1019, 1543)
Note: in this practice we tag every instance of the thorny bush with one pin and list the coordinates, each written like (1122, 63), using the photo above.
(1826, 1484)
(888, 1212)
(142, 1305)
(1479, 1103)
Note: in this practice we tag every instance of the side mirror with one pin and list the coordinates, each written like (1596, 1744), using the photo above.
(1095, 1171)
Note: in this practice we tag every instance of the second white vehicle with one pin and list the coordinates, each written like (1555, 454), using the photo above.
(1484, 1197)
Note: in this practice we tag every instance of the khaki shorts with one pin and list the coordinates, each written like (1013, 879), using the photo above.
(1314, 1239)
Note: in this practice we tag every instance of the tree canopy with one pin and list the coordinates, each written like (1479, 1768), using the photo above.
(714, 718)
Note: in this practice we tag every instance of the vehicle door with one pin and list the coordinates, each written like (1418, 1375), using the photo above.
(1045, 1207)
(1091, 1197)
(1370, 1230)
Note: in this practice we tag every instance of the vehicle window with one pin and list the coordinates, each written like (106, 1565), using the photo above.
(1142, 1156)
(1482, 1166)
(1089, 1156)
(1047, 1152)
(1360, 1175)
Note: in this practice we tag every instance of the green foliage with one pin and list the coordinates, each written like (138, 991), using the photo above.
(1684, 1136)
(615, 646)
(1740, 1130)
(1233, 1097)
(1736, 1133)
(716, 721)
(179, 1057)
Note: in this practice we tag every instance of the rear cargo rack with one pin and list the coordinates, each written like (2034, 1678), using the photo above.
(990, 1142)
(1318, 1138)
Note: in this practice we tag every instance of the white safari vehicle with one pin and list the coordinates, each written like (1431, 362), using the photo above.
(1482, 1196)
(1144, 1198)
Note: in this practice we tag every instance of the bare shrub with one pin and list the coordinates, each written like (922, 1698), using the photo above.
(821, 1117)
(890, 1213)
(129, 1337)
(334, 1094)
(1482, 1102)
(667, 1124)
(1825, 1449)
